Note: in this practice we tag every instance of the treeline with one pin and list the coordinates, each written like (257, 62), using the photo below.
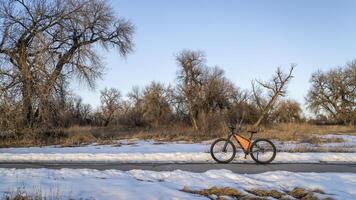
(202, 98)
(54, 42)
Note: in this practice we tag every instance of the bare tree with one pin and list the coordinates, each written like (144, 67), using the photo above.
(42, 40)
(205, 91)
(190, 81)
(110, 104)
(287, 111)
(133, 108)
(218, 95)
(156, 108)
(9, 112)
(275, 88)
(334, 93)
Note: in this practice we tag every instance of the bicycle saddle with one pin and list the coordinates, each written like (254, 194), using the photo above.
(252, 130)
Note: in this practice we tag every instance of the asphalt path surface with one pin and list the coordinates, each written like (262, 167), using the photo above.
(247, 168)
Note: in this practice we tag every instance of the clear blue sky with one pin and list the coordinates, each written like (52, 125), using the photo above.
(248, 39)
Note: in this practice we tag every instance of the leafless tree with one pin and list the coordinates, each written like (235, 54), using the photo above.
(218, 96)
(156, 108)
(334, 93)
(42, 40)
(205, 90)
(191, 65)
(110, 104)
(287, 111)
(133, 109)
(275, 88)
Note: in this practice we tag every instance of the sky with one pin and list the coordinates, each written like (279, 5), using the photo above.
(247, 39)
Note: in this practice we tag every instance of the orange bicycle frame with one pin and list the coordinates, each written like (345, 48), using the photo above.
(243, 142)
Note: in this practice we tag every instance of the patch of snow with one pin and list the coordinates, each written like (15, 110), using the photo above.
(135, 151)
(349, 144)
(348, 138)
(282, 157)
(141, 184)
(150, 146)
(123, 146)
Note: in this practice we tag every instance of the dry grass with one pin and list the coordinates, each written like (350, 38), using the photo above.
(266, 193)
(319, 140)
(219, 193)
(76, 136)
(298, 193)
(215, 191)
(295, 131)
(33, 193)
(303, 194)
(21, 194)
(282, 132)
(23, 197)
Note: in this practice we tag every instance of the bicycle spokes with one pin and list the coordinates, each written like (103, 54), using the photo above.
(223, 150)
(263, 151)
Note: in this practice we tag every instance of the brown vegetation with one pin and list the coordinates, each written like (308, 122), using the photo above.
(79, 135)
(266, 193)
(299, 131)
(21, 193)
(258, 194)
(215, 191)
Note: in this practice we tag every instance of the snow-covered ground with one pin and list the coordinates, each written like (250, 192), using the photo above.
(348, 144)
(140, 184)
(134, 151)
(122, 146)
(282, 157)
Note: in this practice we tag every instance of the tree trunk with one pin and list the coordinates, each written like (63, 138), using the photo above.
(27, 110)
(194, 123)
(44, 114)
(266, 110)
(27, 92)
(193, 117)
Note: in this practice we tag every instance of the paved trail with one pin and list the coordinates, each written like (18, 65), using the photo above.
(195, 167)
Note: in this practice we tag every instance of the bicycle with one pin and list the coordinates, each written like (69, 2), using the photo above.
(223, 150)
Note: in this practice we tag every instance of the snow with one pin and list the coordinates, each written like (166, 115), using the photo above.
(349, 144)
(135, 151)
(282, 157)
(122, 146)
(141, 184)
(139, 151)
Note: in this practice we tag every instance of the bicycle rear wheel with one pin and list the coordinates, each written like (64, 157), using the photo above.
(263, 151)
(223, 150)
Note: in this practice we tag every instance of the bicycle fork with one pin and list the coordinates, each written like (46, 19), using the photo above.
(225, 145)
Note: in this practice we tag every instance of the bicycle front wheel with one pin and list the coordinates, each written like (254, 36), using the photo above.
(263, 151)
(223, 150)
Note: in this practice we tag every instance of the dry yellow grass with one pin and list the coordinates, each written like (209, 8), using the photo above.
(77, 135)
(266, 193)
(35, 193)
(226, 191)
(218, 193)
(296, 131)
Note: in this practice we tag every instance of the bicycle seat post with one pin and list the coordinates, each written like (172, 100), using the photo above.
(232, 129)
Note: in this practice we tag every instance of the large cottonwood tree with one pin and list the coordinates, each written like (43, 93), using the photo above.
(334, 93)
(43, 41)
